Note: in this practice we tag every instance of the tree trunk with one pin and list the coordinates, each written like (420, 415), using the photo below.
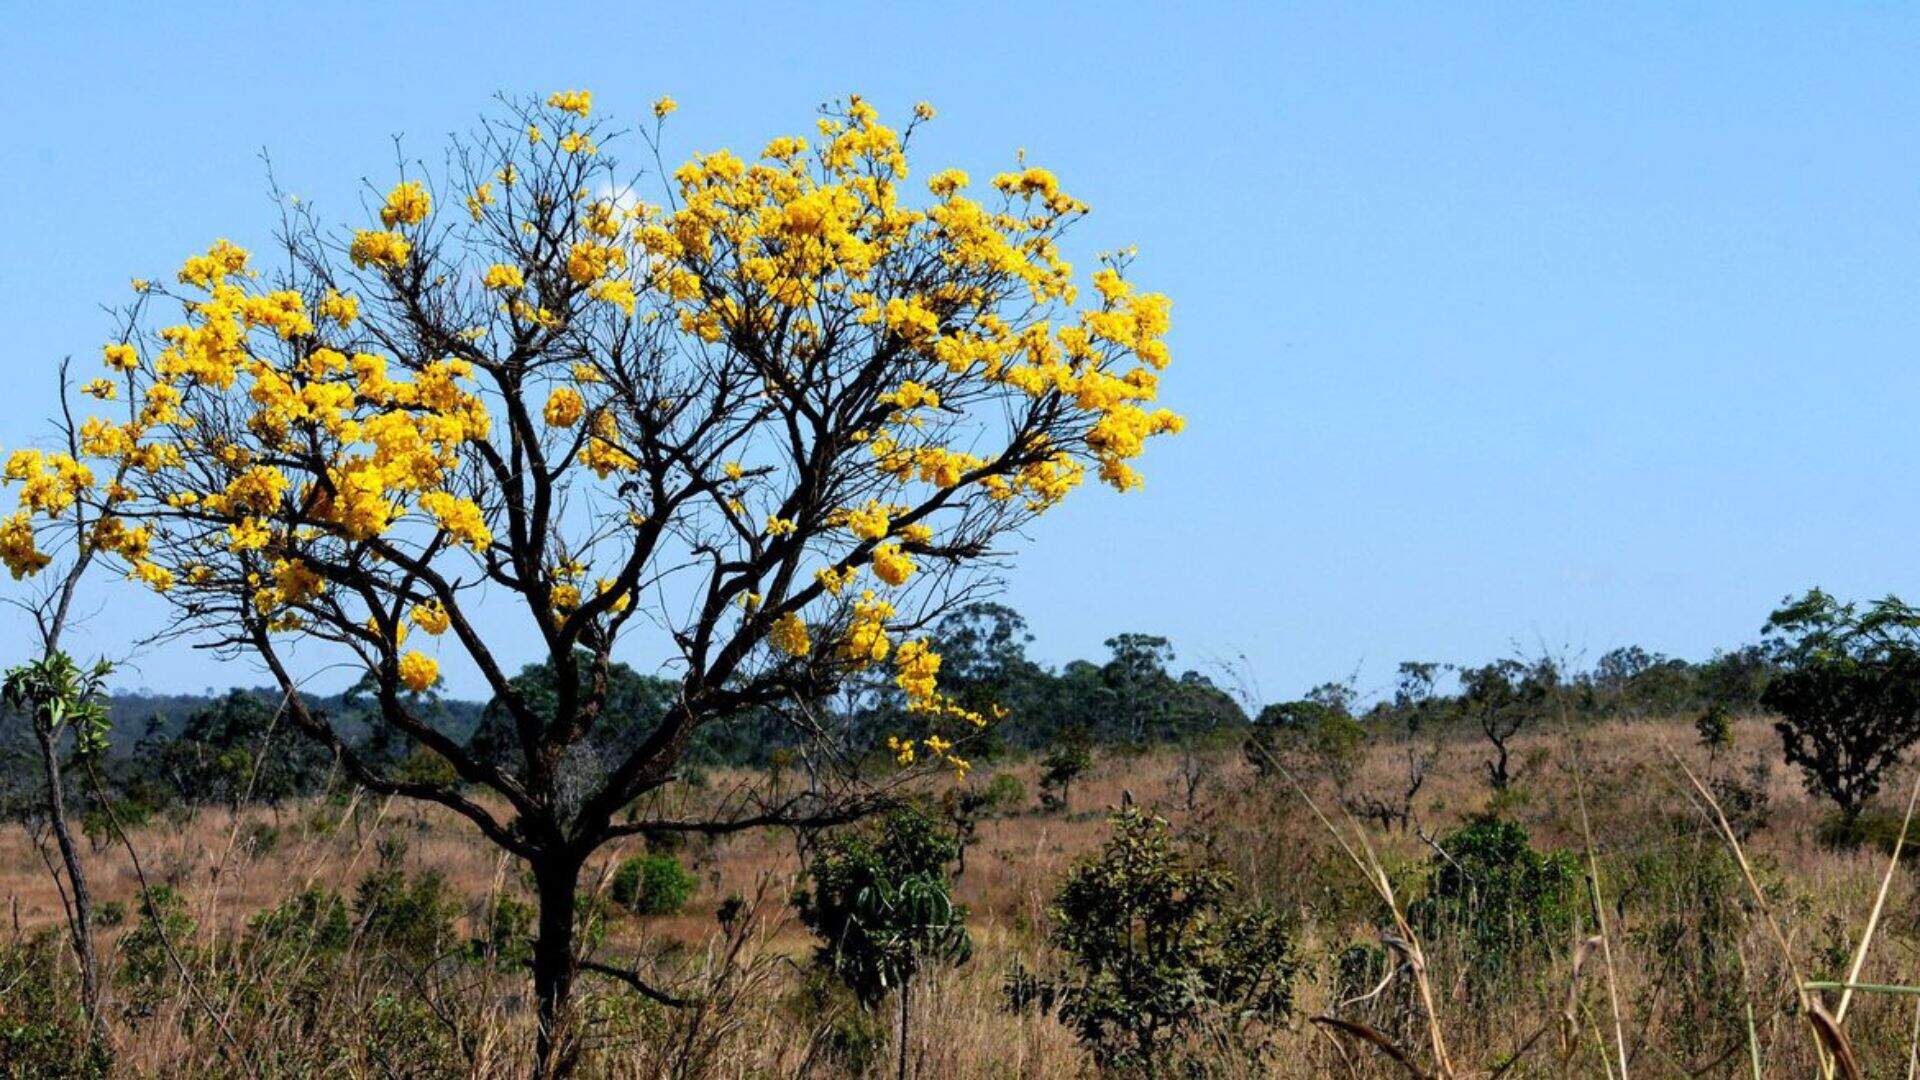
(554, 964)
(76, 877)
(906, 1002)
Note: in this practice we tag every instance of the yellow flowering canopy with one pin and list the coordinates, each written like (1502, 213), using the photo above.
(775, 417)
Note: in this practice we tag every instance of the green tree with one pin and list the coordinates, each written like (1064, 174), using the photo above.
(1156, 947)
(1067, 759)
(883, 909)
(1847, 691)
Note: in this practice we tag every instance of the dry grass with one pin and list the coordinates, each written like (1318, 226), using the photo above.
(1642, 817)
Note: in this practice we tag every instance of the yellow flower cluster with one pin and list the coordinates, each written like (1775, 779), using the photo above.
(789, 635)
(501, 276)
(578, 102)
(418, 671)
(892, 565)
(381, 249)
(407, 204)
(431, 617)
(564, 407)
(459, 517)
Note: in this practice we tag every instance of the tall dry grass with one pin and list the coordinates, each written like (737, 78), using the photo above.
(1677, 970)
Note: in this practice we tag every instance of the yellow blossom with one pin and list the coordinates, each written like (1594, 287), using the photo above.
(789, 635)
(431, 617)
(407, 204)
(418, 671)
(564, 408)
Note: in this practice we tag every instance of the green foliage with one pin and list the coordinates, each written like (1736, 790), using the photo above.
(1495, 893)
(509, 931)
(164, 925)
(881, 905)
(58, 695)
(1069, 757)
(1156, 949)
(1847, 692)
(315, 920)
(1715, 728)
(42, 1037)
(233, 749)
(410, 916)
(1317, 735)
(652, 885)
(1693, 897)
(633, 703)
(1501, 699)
(1004, 792)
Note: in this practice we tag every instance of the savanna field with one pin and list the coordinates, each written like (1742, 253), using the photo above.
(997, 542)
(399, 989)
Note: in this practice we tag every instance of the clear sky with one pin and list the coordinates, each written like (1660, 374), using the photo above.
(1533, 322)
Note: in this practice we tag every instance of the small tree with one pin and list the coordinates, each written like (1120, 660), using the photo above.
(62, 700)
(1847, 691)
(523, 404)
(883, 908)
(1714, 725)
(1070, 756)
(1502, 698)
(1156, 948)
(1317, 734)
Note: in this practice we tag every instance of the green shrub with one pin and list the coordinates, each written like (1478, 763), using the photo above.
(1503, 898)
(1158, 952)
(313, 920)
(1005, 792)
(652, 885)
(42, 1036)
(880, 904)
(164, 924)
(410, 916)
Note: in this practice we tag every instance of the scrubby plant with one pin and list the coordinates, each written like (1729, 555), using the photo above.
(1070, 756)
(652, 884)
(1714, 726)
(1315, 736)
(314, 920)
(883, 909)
(1156, 949)
(1501, 899)
(148, 951)
(411, 916)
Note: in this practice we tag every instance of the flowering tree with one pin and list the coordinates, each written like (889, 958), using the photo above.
(774, 424)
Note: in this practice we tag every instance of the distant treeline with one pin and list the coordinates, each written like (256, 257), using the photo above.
(236, 747)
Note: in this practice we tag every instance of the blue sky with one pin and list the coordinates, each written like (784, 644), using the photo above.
(1493, 323)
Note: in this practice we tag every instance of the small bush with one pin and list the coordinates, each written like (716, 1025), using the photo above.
(1158, 953)
(1005, 792)
(314, 920)
(164, 924)
(41, 1034)
(1501, 897)
(410, 916)
(652, 885)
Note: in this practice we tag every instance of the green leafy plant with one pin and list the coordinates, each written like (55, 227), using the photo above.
(1491, 890)
(1847, 692)
(883, 908)
(652, 885)
(1156, 948)
(1070, 756)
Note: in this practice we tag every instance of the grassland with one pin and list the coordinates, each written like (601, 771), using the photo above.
(1690, 959)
